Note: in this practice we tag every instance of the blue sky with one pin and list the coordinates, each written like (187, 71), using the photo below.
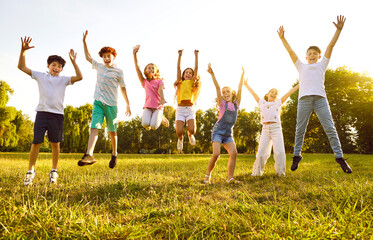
(229, 34)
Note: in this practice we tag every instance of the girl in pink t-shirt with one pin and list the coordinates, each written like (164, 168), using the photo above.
(154, 99)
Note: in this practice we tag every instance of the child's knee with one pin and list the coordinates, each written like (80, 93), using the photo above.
(215, 156)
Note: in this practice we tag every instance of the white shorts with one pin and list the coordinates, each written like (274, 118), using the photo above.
(185, 113)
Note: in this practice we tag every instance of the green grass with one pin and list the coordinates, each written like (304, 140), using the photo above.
(162, 197)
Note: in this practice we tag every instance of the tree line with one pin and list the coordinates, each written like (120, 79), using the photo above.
(350, 96)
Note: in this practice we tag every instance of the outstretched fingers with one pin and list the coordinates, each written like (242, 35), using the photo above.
(281, 32)
(340, 22)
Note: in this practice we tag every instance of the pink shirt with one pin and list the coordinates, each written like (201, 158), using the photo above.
(222, 108)
(152, 97)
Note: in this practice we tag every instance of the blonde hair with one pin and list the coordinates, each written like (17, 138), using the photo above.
(266, 96)
(234, 94)
(157, 75)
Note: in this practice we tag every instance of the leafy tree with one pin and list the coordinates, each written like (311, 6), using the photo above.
(247, 130)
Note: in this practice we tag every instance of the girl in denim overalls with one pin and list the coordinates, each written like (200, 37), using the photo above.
(271, 134)
(228, 102)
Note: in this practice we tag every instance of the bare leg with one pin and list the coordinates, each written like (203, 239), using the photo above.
(192, 127)
(114, 143)
(55, 154)
(34, 153)
(92, 141)
(214, 158)
(232, 150)
(179, 125)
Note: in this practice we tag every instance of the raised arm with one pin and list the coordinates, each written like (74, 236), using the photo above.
(239, 91)
(283, 99)
(281, 34)
(218, 91)
(78, 73)
(339, 25)
(124, 93)
(196, 62)
(22, 57)
(178, 77)
(251, 90)
(138, 71)
(86, 52)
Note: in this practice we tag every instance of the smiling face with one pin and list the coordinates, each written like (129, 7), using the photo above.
(55, 68)
(108, 59)
(227, 94)
(188, 74)
(151, 71)
(272, 95)
(313, 56)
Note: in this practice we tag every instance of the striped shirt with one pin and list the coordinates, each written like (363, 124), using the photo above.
(108, 80)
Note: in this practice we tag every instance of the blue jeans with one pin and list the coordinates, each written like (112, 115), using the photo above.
(319, 104)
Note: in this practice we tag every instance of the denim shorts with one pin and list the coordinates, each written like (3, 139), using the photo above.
(216, 137)
(52, 123)
(101, 110)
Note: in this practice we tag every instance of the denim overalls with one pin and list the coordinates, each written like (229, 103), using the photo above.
(222, 131)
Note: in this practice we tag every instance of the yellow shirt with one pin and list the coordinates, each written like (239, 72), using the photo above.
(185, 91)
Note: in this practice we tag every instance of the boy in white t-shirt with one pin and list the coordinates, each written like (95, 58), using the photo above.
(49, 117)
(312, 96)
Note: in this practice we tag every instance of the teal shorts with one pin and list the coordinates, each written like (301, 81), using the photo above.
(101, 110)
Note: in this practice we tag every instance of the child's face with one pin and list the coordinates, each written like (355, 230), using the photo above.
(150, 71)
(312, 56)
(55, 68)
(272, 95)
(188, 74)
(227, 94)
(108, 59)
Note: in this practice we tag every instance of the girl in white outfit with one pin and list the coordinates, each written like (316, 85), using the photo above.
(271, 134)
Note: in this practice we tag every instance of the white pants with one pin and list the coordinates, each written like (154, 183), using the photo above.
(151, 119)
(271, 134)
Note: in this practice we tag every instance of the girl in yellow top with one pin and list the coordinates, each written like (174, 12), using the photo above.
(187, 86)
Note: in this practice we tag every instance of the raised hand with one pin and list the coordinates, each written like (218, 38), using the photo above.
(340, 22)
(196, 51)
(281, 32)
(245, 82)
(26, 43)
(136, 49)
(72, 55)
(209, 69)
(243, 70)
(180, 52)
(85, 35)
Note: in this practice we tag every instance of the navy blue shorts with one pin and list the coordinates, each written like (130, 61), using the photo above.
(51, 122)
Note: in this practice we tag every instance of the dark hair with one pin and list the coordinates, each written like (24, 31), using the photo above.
(316, 48)
(107, 50)
(56, 58)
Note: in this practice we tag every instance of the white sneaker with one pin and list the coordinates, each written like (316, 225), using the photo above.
(28, 178)
(192, 140)
(179, 144)
(53, 176)
(207, 179)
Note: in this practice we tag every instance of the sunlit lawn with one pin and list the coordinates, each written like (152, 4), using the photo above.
(161, 196)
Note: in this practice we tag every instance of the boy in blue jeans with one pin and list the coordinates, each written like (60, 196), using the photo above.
(49, 117)
(312, 96)
(109, 78)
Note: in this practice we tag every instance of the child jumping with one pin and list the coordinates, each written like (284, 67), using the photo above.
(49, 117)
(312, 95)
(109, 78)
(228, 102)
(152, 116)
(188, 86)
(270, 108)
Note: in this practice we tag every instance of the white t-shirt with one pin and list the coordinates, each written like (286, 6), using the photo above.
(108, 80)
(270, 111)
(51, 91)
(312, 77)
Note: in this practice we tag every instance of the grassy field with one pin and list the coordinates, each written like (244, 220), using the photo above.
(162, 197)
